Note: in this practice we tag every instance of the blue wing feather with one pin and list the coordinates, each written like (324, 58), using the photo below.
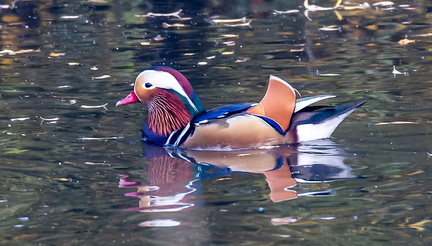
(221, 112)
(273, 124)
(228, 110)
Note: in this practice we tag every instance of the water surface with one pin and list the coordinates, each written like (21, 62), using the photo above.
(78, 175)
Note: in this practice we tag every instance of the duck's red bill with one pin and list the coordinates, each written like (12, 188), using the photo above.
(131, 98)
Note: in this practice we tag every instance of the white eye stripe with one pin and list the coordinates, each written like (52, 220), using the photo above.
(163, 80)
(159, 79)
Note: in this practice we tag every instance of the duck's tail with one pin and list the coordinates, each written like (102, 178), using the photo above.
(317, 122)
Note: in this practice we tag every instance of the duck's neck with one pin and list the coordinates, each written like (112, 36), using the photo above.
(167, 113)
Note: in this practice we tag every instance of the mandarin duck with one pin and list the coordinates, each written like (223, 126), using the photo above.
(176, 117)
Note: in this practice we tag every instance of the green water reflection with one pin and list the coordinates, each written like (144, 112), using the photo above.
(62, 161)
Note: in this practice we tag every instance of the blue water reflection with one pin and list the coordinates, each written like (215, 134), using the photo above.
(175, 176)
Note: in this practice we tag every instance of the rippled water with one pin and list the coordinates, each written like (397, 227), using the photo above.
(74, 171)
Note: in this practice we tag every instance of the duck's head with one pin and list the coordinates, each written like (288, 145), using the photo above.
(171, 100)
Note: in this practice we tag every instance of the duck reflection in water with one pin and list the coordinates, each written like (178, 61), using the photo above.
(175, 175)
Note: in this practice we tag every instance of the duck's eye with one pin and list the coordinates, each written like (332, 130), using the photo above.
(148, 85)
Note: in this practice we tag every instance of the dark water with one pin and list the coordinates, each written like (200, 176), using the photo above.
(78, 175)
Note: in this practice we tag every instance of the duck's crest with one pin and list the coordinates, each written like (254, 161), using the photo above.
(278, 103)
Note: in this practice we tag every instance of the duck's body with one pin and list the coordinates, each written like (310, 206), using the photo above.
(177, 118)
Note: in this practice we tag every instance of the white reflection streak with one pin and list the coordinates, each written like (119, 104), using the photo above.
(174, 200)
(173, 14)
(160, 223)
